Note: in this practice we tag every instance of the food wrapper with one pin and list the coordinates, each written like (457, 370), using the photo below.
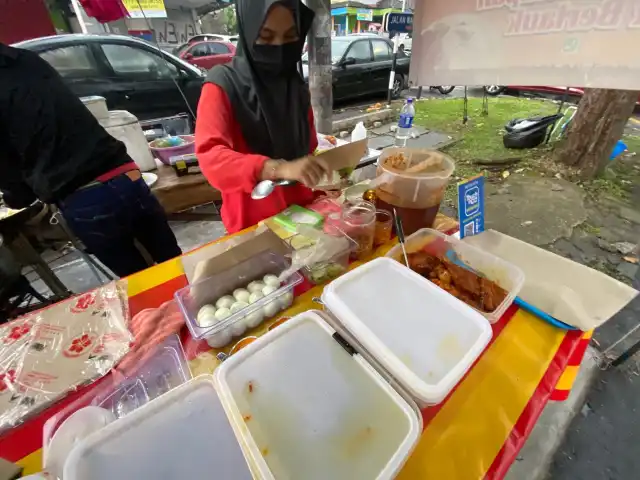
(53, 351)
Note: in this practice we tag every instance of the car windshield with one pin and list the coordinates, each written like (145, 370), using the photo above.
(180, 49)
(338, 47)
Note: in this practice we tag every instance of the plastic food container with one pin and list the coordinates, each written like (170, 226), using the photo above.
(421, 336)
(207, 291)
(505, 274)
(165, 154)
(417, 195)
(359, 223)
(163, 370)
(324, 271)
(305, 405)
(182, 434)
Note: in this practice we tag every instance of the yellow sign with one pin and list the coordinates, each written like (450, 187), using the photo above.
(150, 8)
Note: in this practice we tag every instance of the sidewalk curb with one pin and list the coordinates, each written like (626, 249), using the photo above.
(535, 458)
(349, 123)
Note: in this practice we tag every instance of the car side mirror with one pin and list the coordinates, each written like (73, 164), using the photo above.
(188, 56)
(348, 61)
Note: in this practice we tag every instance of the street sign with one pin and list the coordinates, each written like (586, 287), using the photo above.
(471, 206)
(398, 22)
(365, 14)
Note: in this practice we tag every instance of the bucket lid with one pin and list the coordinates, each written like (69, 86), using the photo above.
(307, 406)
(118, 118)
(422, 336)
(184, 433)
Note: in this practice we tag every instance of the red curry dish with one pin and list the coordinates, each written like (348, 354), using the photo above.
(479, 292)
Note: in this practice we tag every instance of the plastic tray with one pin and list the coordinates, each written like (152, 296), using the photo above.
(305, 406)
(423, 337)
(207, 291)
(505, 274)
(182, 434)
(164, 370)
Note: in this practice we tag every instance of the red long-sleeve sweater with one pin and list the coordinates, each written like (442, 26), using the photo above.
(230, 166)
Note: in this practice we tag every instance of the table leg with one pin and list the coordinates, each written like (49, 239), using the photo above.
(23, 249)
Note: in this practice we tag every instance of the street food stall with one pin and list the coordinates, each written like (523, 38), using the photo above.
(300, 319)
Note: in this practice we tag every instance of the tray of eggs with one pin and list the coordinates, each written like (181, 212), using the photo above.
(226, 305)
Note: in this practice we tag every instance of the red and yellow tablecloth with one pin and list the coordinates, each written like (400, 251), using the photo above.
(475, 433)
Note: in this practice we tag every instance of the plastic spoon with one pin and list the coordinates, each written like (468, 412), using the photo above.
(266, 187)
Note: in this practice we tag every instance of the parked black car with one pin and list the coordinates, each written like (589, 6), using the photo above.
(131, 73)
(362, 64)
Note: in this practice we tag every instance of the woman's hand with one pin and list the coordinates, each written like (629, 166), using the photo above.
(308, 171)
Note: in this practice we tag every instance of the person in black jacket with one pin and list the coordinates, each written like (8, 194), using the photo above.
(53, 149)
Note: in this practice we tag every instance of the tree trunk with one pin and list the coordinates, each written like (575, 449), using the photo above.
(320, 71)
(595, 129)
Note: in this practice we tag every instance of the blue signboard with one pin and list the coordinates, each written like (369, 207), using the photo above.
(471, 206)
(398, 22)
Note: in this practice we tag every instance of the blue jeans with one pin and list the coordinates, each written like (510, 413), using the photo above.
(108, 217)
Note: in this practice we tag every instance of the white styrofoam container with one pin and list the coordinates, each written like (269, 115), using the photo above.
(305, 406)
(423, 337)
(505, 274)
(184, 433)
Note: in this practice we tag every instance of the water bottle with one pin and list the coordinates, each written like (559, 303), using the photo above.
(405, 123)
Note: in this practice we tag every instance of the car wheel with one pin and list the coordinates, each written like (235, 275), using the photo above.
(446, 89)
(494, 90)
(398, 86)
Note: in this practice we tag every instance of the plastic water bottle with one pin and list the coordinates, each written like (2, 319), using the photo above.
(405, 123)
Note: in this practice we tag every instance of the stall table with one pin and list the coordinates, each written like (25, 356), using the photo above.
(177, 194)
(475, 433)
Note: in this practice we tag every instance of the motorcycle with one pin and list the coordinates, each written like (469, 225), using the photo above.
(443, 89)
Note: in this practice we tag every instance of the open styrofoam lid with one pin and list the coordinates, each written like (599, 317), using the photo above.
(184, 433)
(308, 409)
(423, 336)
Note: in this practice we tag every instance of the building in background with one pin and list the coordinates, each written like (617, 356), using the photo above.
(26, 19)
(363, 16)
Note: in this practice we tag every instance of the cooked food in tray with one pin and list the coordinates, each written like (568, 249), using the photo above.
(479, 292)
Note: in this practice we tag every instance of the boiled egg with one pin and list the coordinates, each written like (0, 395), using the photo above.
(206, 316)
(271, 280)
(255, 286)
(219, 339)
(222, 313)
(273, 307)
(286, 299)
(255, 296)
(254, 318)
(225, 302)
(241, 295)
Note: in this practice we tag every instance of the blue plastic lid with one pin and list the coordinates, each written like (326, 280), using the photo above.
(409, 100)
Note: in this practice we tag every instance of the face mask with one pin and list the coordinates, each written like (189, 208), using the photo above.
(277, 59)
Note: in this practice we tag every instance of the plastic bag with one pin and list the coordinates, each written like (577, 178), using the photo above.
(53, 351)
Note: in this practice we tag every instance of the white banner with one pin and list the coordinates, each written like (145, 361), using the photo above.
(582, 43)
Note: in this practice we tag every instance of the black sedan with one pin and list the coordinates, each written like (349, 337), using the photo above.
(130, 73)
(361, 65)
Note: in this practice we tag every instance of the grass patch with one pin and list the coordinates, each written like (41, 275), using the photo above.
(481, 136)
(481, 139)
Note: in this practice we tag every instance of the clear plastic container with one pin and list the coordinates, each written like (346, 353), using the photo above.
(508, 276)
(413, 182)
(423, 337)
(164, 369)
(304, 405)
(359, 223)
(209, 290)
(182, 434)
(326, 270)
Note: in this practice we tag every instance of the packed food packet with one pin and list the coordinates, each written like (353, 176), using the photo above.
(317, 247)
(48, 353)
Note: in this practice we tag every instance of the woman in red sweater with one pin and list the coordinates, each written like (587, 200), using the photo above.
(255, 117)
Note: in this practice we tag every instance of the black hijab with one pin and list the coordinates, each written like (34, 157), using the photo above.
(272, 108)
